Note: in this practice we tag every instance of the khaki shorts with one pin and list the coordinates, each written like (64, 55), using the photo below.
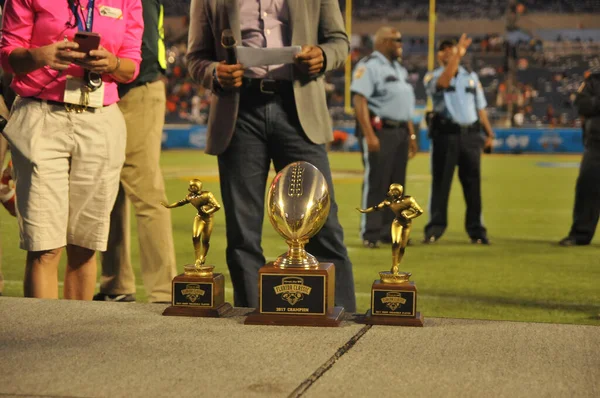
(66, 168)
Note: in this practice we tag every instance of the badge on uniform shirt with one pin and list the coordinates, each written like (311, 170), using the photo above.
(471, 83)
(111, 12)
(359, 72)
(428, 77)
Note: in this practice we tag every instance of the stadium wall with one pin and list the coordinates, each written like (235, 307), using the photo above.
(511, 140)
(176, 27)
(482, 26)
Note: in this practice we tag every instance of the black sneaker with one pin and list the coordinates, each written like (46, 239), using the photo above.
(122, 298)
(570, 241)
(430, 239)
(480, 241)
(371, 244)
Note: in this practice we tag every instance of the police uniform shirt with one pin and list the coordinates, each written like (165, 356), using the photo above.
(385, 86)
(461, 101)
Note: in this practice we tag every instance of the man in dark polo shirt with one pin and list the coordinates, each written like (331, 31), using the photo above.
(143, 103)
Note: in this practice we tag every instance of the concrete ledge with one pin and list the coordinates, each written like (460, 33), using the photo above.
(98, 349)
(452, 358)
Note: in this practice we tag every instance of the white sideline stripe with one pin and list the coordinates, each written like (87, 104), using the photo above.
(172, 172)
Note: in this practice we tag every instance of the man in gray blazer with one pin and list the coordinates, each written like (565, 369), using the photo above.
(274, 113)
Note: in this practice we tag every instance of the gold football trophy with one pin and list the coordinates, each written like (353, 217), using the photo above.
(296, 289)
(199, 291)
(393, 296)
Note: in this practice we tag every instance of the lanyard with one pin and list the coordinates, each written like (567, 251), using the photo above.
(89, 22)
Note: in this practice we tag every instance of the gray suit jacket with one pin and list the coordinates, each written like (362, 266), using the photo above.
(313, 22)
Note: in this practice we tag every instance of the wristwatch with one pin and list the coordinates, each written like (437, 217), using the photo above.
(413, 137)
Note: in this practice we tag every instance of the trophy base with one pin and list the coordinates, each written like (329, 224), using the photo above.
(198, 311)
(393, 321)
(296, 296)
(393, 303)
(332, 319)
(198, 296)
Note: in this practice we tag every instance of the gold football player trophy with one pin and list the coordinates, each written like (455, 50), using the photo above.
(199, 292)
(393, 296)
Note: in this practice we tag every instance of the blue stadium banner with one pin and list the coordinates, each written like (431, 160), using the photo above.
(184, 136)
(514, 140)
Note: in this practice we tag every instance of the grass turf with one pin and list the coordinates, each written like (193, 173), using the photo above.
(523, 276)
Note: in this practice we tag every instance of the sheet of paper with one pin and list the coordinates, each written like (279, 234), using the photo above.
(249, 56)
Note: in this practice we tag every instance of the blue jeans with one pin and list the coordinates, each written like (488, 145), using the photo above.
(268, 129)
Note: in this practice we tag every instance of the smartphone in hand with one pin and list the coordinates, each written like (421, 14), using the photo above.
(87, 41)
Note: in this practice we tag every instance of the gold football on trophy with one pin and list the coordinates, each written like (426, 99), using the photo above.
(298, 205)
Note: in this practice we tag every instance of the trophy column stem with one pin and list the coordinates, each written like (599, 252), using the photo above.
(296, 256)
(296, 252)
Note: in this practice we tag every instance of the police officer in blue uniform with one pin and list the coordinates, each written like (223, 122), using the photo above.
(384, 102)
(586, 211)
(455, 130)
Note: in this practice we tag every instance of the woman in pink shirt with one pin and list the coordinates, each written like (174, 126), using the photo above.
(66, 132)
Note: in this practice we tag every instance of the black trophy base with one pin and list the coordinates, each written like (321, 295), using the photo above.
(296, 297)
(370, 319)
(332, 319)
(198, 296)
(198, 311)
(393, 304)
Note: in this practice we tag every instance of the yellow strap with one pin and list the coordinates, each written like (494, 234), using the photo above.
(162, 53)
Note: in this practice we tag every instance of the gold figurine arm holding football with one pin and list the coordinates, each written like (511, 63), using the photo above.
(212, 206)
(413, 211)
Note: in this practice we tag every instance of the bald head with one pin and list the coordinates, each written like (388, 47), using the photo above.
(388, 41)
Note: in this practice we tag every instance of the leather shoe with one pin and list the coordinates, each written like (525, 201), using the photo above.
(430, 239)
(570, 241)
(480, 241)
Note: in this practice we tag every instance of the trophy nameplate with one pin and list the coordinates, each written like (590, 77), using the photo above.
(199, 291)
(296, 289)
(393, 295)
(296, 297)
(202, 296)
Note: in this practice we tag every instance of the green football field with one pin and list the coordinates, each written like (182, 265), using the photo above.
(523, 276)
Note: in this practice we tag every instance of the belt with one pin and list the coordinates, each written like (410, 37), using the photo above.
(266, 86)
(68, 107)
(449, 123)
(393, 123)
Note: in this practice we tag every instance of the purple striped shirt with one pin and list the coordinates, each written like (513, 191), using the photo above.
(266, 23)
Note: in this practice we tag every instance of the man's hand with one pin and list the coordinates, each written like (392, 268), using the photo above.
(310, 60)
(373, 144)
(58, 56)
(463, 44)
(229, 76)
(412, 148)
(489, 142)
